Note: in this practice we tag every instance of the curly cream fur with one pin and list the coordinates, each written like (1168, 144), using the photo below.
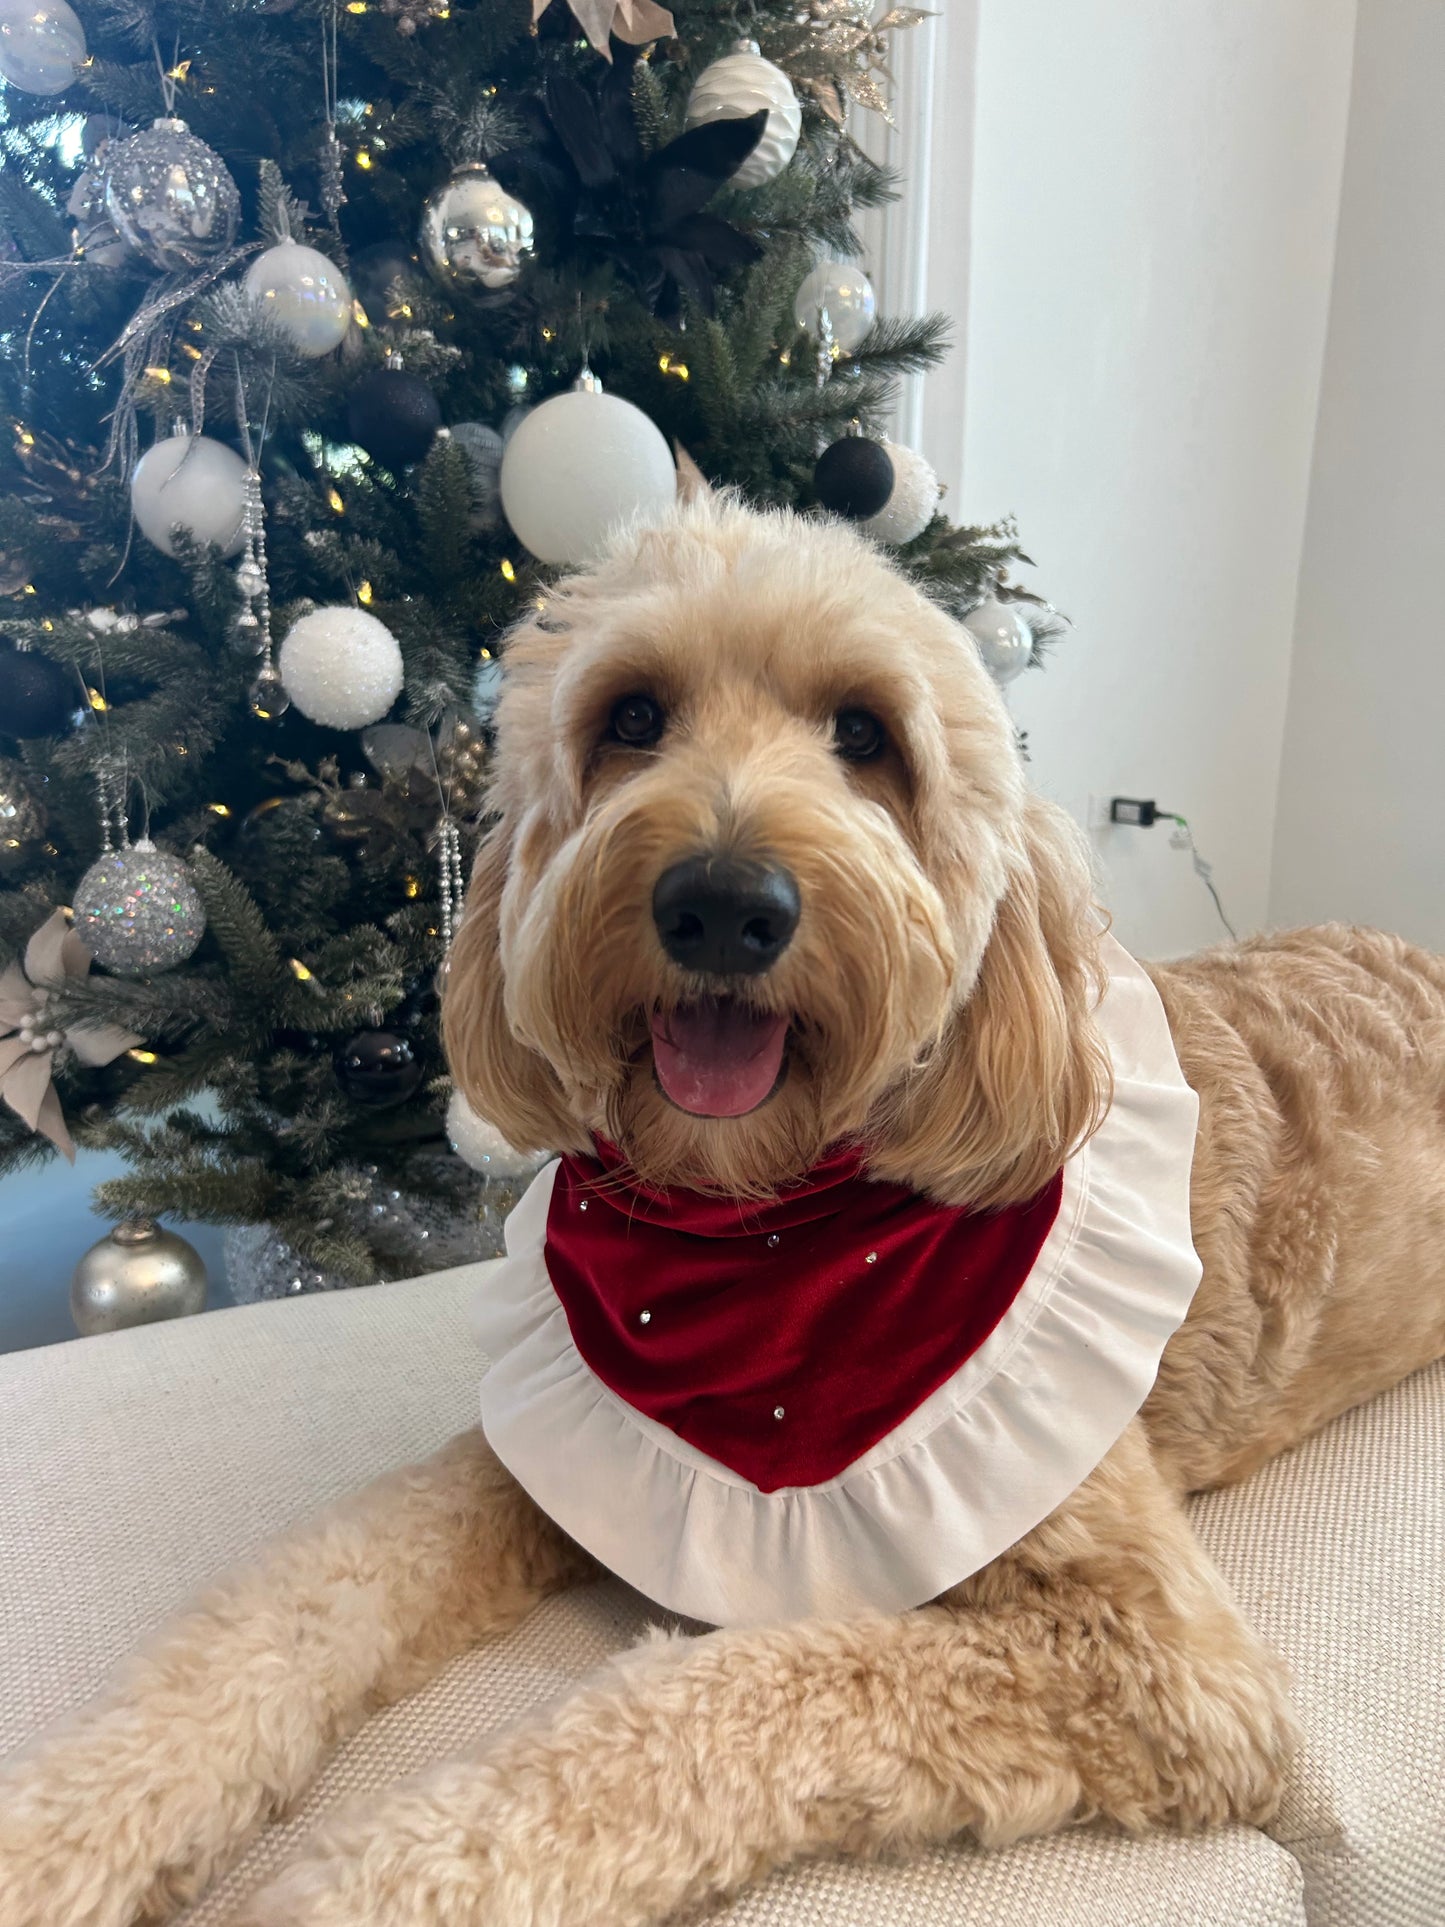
(939, 985)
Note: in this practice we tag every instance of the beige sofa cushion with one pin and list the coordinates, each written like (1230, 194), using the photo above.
(138, 1464)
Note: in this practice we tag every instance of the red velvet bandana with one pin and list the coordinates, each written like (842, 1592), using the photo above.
(783, 1339)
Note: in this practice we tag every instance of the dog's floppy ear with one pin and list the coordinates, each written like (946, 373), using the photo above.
(1021, 1076)
(505, 1082)
(692, 484)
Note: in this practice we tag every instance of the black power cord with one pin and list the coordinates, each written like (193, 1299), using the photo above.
(1142, 813)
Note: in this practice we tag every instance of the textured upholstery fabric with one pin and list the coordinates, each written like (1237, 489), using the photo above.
(133, 1467)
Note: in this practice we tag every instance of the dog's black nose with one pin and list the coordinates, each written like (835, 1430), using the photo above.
(725, 916)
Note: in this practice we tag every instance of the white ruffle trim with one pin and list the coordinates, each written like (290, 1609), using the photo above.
(987, 1456)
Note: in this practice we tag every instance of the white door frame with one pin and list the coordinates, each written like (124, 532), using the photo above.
(917, 249)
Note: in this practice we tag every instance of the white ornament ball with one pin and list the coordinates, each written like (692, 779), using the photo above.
(577, 468)
(305, 293)
(844, 292)
(1005, 640)
(190, 483)
(341, 667)
(137, 910)
(741, 84)
(41, 44)
(482, 1146)
(482, 447)
(910, 507)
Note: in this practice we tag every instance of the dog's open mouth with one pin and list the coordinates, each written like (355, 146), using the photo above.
(718, 1057)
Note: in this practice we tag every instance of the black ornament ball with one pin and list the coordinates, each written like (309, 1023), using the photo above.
(854, 477)
(37, 696)
(393, 415)
(377, 1067)
(379, 269)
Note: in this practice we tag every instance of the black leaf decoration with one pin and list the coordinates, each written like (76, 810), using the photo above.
(582, 170)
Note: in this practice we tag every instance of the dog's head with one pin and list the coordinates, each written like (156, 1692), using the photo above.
(766, 875)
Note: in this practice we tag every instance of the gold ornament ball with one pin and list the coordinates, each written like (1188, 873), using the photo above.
(136, 1275)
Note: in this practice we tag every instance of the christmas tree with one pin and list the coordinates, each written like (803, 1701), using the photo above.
(305, 306)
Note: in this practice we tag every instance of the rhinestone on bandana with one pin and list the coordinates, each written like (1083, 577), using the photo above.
(871, 1259)
(582, 1206)
(644, 1318)
(773, 1238)
(777, 1411)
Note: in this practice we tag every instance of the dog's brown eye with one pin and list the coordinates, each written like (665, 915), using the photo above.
(858, 736)
(637, 721)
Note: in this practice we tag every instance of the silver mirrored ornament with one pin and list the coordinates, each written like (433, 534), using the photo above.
(1005, 641)
(474, 231)
(137, 1274)
(42, 43)
(170, 197)
(137, 910)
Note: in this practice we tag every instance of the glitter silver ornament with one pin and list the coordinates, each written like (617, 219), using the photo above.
(911, 501)
(1005, 641)
(137, 910)
(134, 1276)
(482, 447)
(474, 231)
(415, 1220)
(740, 84)
(170, 197)
(250, 577)
(41, 44)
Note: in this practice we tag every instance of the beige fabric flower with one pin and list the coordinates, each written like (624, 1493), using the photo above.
(29, 1039)
(635, 21)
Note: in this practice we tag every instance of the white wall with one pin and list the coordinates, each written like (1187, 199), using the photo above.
(1145, 196)
(1362, 796)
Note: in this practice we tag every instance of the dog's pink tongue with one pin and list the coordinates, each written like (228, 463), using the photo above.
(717, 1058)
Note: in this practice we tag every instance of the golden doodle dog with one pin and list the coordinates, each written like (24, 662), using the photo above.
(770, 932)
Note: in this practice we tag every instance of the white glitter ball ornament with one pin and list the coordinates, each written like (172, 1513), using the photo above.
(190, 483)
(842, 291)
(578, 467)
(482, 447)
(1005, 640)
(341, 667)
(911, 504)
(740, 84)
(482, 1146)
(305, 293)
(137, 910)
(41, 44)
